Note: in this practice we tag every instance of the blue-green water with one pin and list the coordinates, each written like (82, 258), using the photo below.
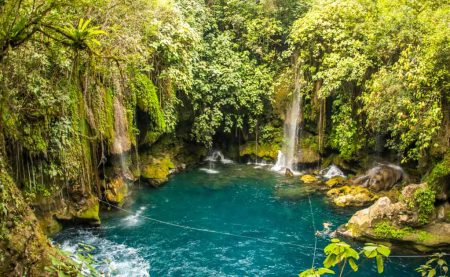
(239, 199)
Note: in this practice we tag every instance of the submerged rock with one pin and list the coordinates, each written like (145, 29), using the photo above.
(381, 177)
(351, 196)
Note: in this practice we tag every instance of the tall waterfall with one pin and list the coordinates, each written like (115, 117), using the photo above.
(121, 143)
(287, 158)
(291, 132)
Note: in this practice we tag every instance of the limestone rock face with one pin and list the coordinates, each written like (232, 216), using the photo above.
(351, 196)
(24, 248)
(380, 178)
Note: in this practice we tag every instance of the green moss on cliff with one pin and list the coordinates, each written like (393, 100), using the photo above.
(264, 150)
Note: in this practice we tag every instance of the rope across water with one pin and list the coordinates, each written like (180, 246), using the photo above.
(269, 241)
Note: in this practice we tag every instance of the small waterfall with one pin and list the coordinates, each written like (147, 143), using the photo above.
(122, 143)
(287, 158)
(216, 156)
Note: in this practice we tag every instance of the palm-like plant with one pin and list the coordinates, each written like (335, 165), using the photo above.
(82, 36)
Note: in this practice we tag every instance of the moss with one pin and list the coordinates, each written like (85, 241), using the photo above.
(351, 196)
(116, 191)
(151, 138)
(91, 213)
(439, 175)
(308, 179)
(158, 170)
(265, 150)
(387, 231)
(147, 100)
(424, 201)
(337, 180)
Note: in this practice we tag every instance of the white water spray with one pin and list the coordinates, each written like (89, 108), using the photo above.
(287, 158)
(122, 142)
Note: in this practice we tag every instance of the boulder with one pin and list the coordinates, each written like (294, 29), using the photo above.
(309, 179)
(156, 171)
(115, 191)
(400, 223)
(351, 196)
(380, 178)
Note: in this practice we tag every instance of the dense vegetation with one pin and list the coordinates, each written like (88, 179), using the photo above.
(373, 76)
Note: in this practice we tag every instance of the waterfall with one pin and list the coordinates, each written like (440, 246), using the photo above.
(121, 142)
(291, 132)
(217, 156)
(287, 158)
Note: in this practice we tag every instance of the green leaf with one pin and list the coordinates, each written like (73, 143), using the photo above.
(380, 264)
(353, 264)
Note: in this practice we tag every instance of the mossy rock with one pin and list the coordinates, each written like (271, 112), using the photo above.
(157, 171)
(308, 156)
(351, 196)
(264, 150)
(116, 191)
(90, 215)
(309, 179)
(335, 181)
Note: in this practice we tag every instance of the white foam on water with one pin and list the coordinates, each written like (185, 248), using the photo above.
(134, 219)
(208, 170)
(331, 171)
(110, 258)
(217, 156)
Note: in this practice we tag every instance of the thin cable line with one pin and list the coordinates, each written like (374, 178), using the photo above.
(270, 241)
(210, 231)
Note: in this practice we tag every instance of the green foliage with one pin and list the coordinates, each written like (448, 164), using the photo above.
(77, 264)
(424, 201)
(377, 251)
(81, 36)
(313, 272)
(230, 89)
(386, 230)
(440, 172)
(147, 101)
(435, 266)
(340, 253)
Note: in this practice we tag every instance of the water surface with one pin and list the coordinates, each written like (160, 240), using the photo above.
(241, 200)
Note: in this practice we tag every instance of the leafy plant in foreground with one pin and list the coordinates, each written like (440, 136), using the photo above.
(433, 266)
(340, 253)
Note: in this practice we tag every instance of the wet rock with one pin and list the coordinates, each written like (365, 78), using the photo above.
(335, 181)
(399, 222)
(263, 150)
(351, 196)
(157, 170)
(115, 191)
(308, 156)
(381, 177)
(309, 179)
(289, 173)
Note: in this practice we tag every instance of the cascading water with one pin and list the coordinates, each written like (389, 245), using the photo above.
(122, 143)
(216, 156)
(287, 158)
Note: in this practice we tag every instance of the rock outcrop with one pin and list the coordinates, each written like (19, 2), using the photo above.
(351, 196)
(24, 248)
(381, 178)
(402, 222)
